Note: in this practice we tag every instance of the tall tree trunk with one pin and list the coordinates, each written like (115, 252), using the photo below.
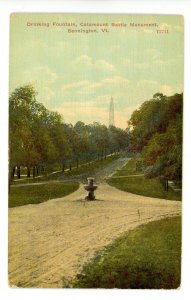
(13, 173)
(33, 172)
(28, 172)
(166, 185)
(77, 163)
(37, 170)
(18, 172)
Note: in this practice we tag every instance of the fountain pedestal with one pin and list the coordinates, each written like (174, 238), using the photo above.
(90, 187)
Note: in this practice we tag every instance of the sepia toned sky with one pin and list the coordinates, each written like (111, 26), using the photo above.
(77, 73)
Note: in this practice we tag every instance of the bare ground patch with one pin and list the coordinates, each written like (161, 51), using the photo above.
(50, 242)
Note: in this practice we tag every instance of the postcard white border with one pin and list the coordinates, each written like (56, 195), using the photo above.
(180, 7)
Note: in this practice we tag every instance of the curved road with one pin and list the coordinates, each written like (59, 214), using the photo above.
(50, 242)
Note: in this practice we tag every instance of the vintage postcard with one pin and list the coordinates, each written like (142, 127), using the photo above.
(95, 150)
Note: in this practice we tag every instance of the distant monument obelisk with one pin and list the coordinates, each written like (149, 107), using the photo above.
(111, 113)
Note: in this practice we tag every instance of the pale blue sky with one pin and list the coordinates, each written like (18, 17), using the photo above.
(77, 73)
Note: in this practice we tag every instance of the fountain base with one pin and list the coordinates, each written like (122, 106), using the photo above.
(90, 196)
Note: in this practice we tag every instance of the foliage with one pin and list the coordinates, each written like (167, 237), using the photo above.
(35, 134)
(140, 185)
(156, 130)
(148, 257)
(129, 168)
(83, 169)
(39, 137)
(143, 186)
(91, 166)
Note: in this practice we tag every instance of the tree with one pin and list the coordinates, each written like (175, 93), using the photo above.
(164, 152)
(147, 120)
(20, 136)
(119, 138)
(36, 136)
(156, 130)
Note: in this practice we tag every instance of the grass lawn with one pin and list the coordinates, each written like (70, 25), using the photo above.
(129, 169)
(91, 166)
(148, 257)
(143, 186)
(140, 185)
(82, 169)
(33, 194)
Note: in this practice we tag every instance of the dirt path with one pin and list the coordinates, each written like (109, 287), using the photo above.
(50, 242)
(107, 171)
(100, 174)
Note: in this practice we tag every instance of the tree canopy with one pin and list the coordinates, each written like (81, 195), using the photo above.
(156, 130)
(39, 137)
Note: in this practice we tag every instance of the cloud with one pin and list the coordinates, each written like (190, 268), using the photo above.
(144, 82)
(81, 87)
(42, 73)
(85, 111)
(75, 85)
(102, 64)
(100, 99)
(169, 61)
(137, 65)
(95, 107)
(87, 61)
(166, 90)
(144, 89)
(153, 53)
(88, 112)
(141, 66)
(155, 57)
(61, 45)
(90, 87)
(46, 95)
(151, 87)
(122, 117)
(116, 80)
(126, 61)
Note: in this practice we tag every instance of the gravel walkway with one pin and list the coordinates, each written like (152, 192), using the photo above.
(50, 242)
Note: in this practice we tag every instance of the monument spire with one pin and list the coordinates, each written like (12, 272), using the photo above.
(111, 113)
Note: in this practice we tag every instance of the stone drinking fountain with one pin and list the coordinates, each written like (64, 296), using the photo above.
(90, 187)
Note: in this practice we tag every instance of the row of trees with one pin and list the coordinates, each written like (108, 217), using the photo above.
(39, 137)
(156, 132)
